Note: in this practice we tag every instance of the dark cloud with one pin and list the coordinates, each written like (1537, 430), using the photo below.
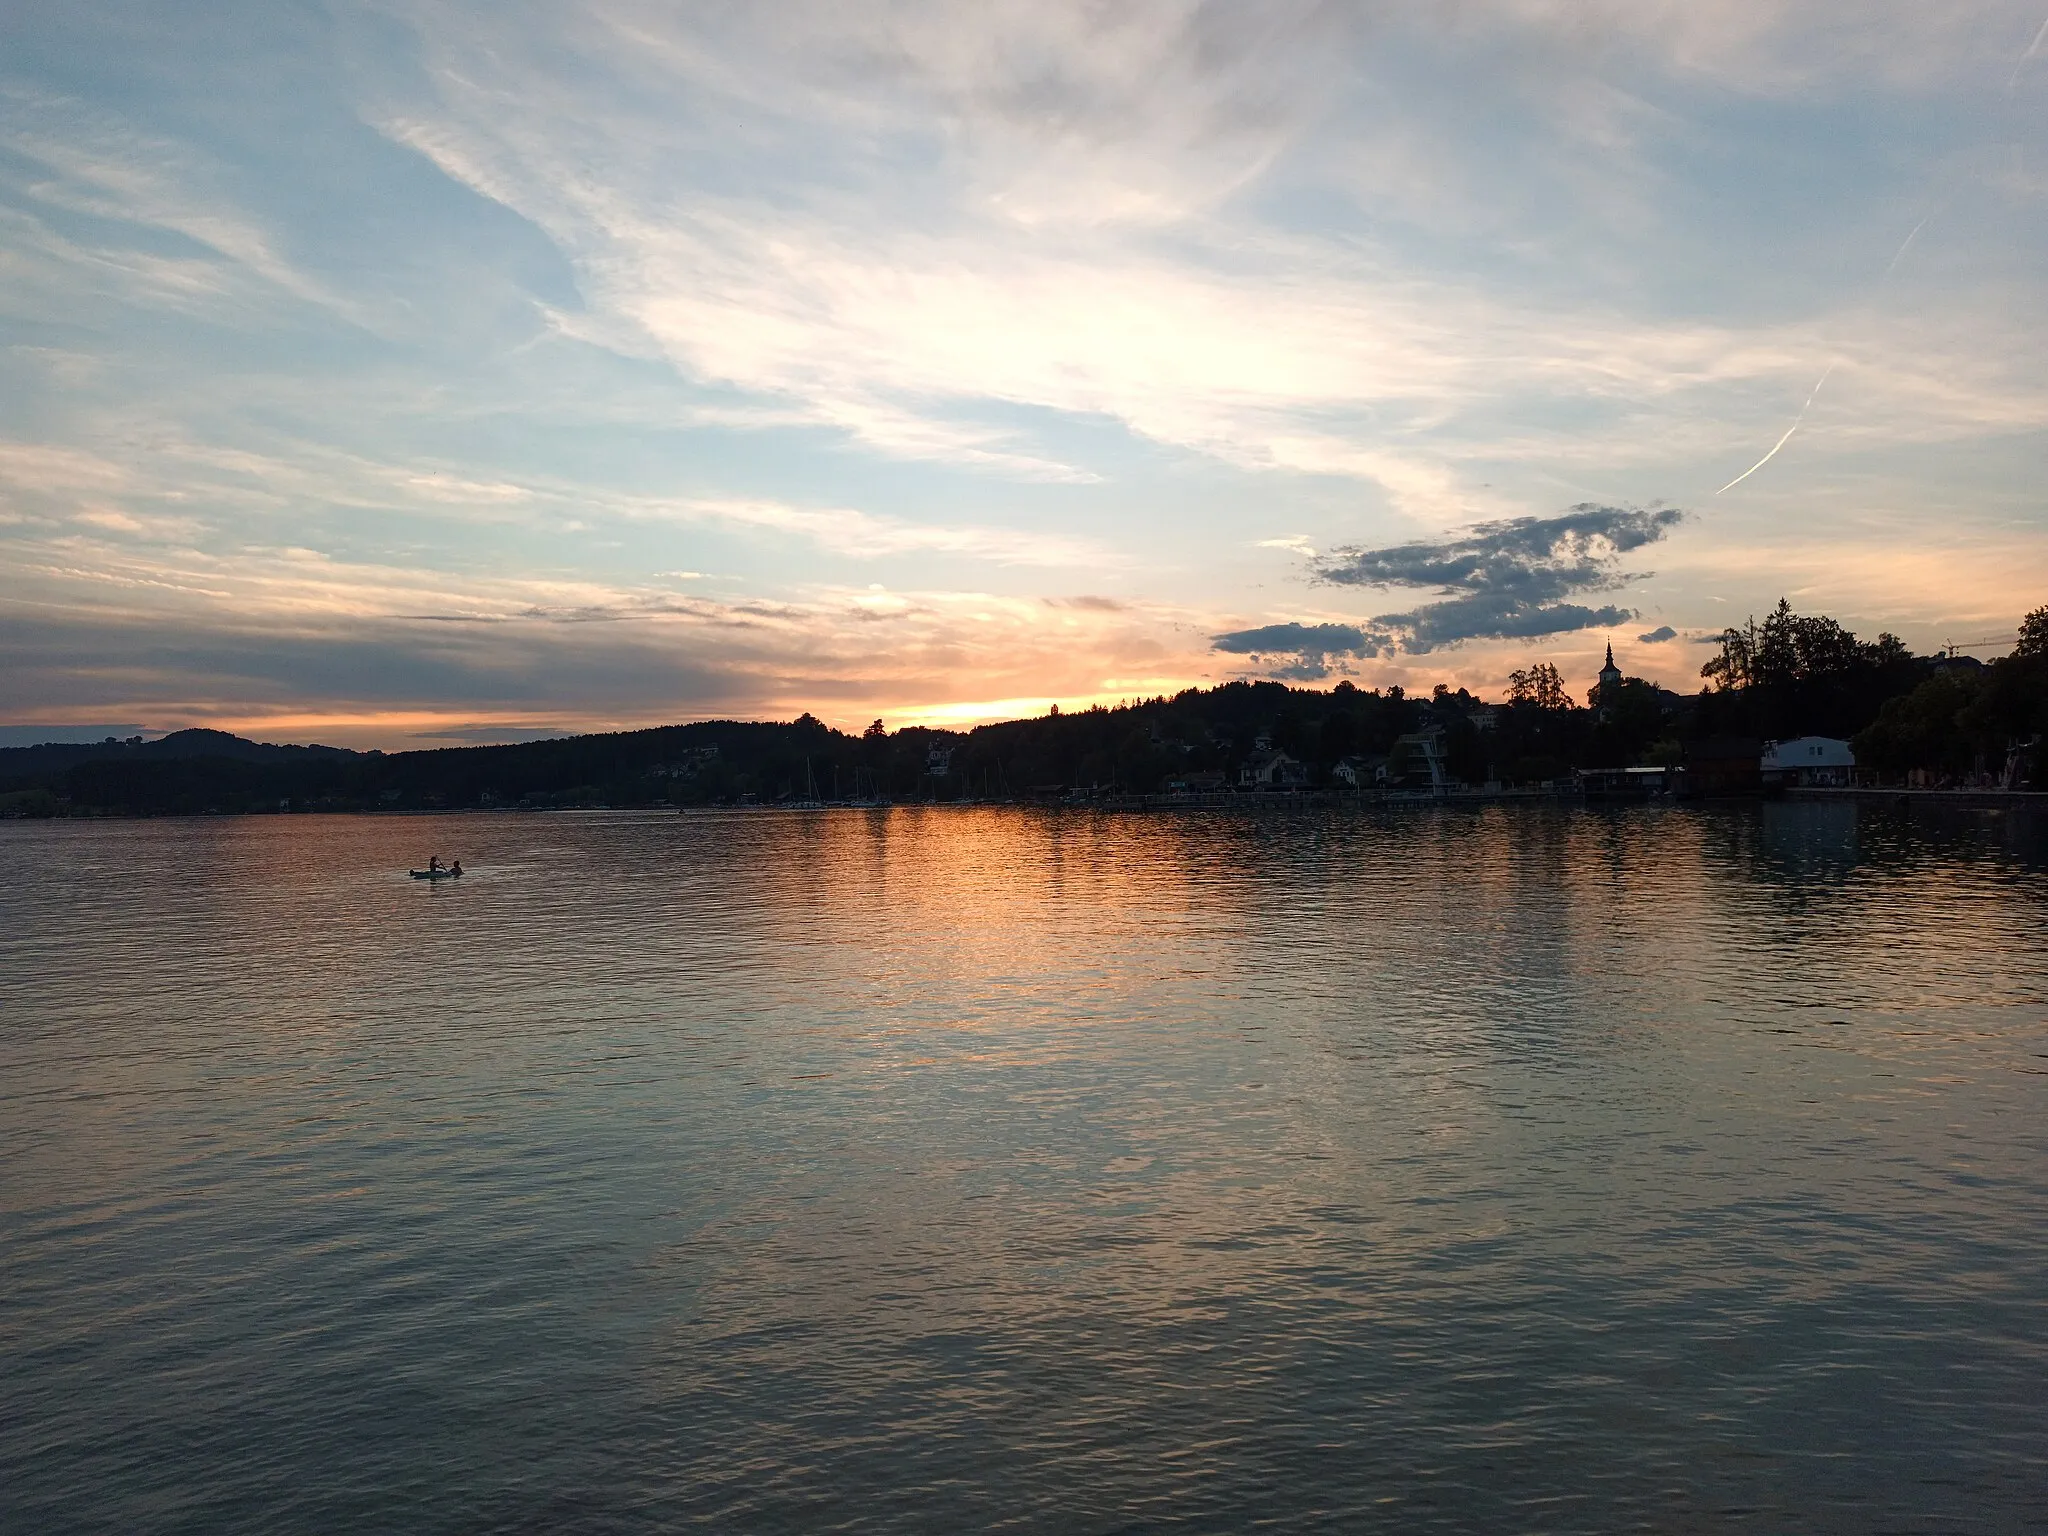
(1309, 645)
(489, 735)
(1504, 580)
(1658, 635)
(170, 663)
(1492, 617)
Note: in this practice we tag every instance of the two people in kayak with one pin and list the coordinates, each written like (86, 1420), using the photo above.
(436, 867)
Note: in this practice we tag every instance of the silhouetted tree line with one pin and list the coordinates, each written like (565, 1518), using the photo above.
(1799, 675)
(1968, 719)
(1789, 675)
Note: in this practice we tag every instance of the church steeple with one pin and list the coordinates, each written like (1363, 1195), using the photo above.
(1610, 673)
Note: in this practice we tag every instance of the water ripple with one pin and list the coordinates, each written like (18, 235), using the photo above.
(1011, 1170)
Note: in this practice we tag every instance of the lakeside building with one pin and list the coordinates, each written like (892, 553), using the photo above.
(1269, 768)
(1417, 761)
(1357, 773)
(1724, 765)
(1630, 783)
(1808, 762)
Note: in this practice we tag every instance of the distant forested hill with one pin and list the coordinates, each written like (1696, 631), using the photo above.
(55, 757)
(1790, 675)
(1134, 748)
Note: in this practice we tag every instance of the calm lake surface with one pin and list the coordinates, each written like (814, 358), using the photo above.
(993, 1169)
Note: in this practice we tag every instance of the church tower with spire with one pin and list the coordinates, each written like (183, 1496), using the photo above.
(1610, 674)
(1610, 678)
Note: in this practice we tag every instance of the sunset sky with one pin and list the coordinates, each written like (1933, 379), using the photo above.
(410, 373)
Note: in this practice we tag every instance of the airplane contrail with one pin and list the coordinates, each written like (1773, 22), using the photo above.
(2032, 48)
(1897, 256)
(1906, 242)
(1781, 442)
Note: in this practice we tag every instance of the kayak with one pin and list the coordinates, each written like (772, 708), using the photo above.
(435, 874)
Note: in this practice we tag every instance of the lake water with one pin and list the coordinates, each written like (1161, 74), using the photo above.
(993, 1169)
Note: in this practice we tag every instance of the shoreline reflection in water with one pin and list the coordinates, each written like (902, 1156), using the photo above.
(927, 1169)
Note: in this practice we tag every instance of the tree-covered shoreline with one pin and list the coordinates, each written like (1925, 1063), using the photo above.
(1940, 718)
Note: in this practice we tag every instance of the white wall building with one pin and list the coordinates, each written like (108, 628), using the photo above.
(1272, 770)
(1809, 762)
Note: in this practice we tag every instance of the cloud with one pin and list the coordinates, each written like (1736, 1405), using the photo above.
(1309, 645)
(1091, 601)
(976, 224)
(90, 164)
(1504, 580)
(490, 735)
(855, 534)
(1658, 635)
(250, 638)
(86, 486)
(162, 529)
(744, 289)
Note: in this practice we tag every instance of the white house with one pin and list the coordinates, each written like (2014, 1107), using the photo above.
(1809, 761)
(1354, 772)
(1272, 770)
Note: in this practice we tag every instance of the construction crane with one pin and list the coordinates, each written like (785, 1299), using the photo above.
(2005, 641)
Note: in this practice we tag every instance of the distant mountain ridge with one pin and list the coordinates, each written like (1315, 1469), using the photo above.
(198, 742)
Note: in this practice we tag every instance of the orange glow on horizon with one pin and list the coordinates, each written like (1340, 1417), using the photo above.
(416, 729)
